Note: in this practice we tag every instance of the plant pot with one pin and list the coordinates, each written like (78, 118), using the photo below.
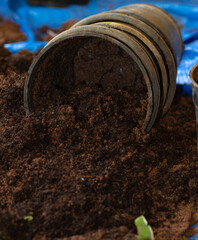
(154, 44)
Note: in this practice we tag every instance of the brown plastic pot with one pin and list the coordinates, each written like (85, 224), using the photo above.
(154, 52)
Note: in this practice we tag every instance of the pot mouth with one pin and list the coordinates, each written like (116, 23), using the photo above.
(192, 74)
(60, 51)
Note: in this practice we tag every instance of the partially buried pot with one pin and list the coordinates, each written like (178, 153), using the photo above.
(135, 48)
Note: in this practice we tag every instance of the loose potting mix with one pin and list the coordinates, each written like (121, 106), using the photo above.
(10, 32)
(81, 167)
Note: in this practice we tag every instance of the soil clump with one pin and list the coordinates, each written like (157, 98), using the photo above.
(10, 32)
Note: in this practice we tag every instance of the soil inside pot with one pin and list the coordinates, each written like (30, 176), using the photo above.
(78, 166)
(95, 77)
(10, 32)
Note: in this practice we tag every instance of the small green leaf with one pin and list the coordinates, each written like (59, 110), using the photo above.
(28, 218)
(143, 229)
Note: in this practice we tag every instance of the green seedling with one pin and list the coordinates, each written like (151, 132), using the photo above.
(144, 231)
(28, 218)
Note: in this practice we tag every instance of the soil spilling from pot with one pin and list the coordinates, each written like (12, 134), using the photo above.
(10, 32)
(101, 85)
(78, 165)
(46, 34)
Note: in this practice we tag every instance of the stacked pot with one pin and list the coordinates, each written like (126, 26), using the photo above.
(151, 38)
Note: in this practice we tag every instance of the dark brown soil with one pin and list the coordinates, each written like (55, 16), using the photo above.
(46, 34)
(18, 63)
(79, 169)
(10, 32)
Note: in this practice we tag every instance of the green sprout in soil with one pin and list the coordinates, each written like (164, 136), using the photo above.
(144, 231)
(28, 218)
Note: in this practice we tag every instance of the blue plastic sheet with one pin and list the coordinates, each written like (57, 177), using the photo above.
(185, 12)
